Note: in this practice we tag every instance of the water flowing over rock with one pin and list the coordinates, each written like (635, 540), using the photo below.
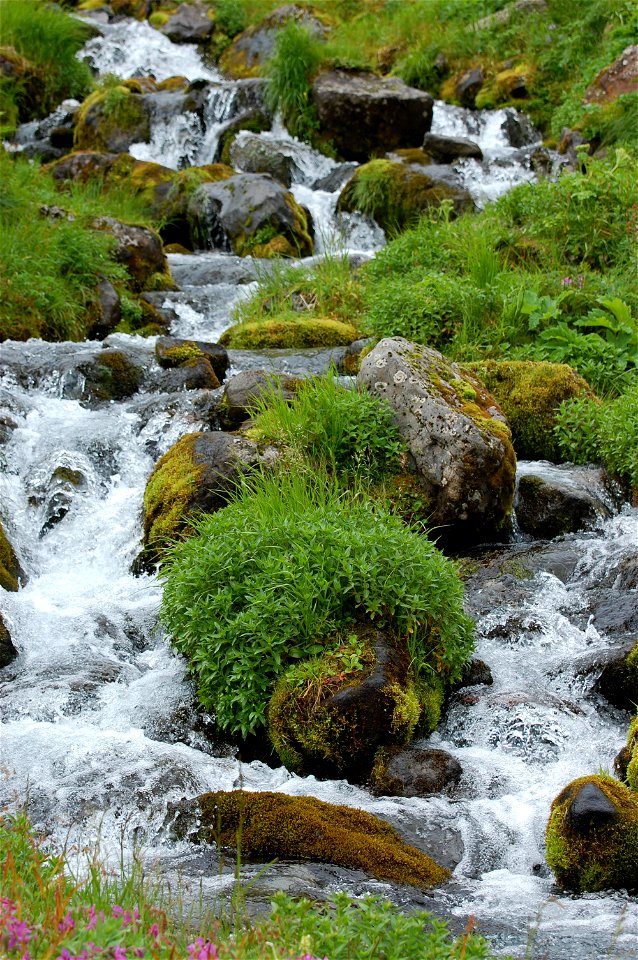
(455, 432)
(554, 500)
(364, 114)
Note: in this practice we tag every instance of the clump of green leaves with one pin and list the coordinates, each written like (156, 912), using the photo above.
(266, 581)
(289, 74)
(349, 430)
(589, 431)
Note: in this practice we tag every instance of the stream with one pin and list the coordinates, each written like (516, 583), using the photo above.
(99, 729)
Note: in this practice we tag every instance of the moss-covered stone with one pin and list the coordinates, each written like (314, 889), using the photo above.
(592, 835)
(530, 394)
(269, 825)
(11, 573)
(631, 774)
(507, 85)
(111, 376)
(289, 333)
(396, 195)
(111, 120)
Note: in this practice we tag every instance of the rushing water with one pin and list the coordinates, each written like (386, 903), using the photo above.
(99, 728)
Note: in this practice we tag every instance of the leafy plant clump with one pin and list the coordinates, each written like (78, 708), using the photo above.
(289, 73)
(268, 580)
(350, 431)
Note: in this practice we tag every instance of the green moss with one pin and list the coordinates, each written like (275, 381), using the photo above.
(431, 697)
(269, 825)
(530, 394)
(599, 856)
(10, 570)
(289, 333)
(169, 492)
(112, 376)
(632, 738)
(500, 88)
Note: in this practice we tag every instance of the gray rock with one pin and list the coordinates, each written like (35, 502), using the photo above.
(224, 215)
(244, 388)
(446, 149)
(110, 312)
(553, 500)
(252, 154)
(518, 128)
(455, 432)
(590, 809)
(468, 86)
(254, 46)
(139, 249)
(415, 772)
(189, 24)
(214, 352)
(364, 114)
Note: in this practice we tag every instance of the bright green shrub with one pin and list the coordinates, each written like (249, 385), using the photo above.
(265, 581)
(349, 430)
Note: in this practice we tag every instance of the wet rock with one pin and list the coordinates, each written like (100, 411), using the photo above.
(363, 114)
(540, 162)
(252, 154)
(592, 836)
(555, 500)
(242, 390)
(112, 120)
(446, 149)
(349, 365)
(197, 475)
(59, 494)
(110, 375)
(614, 81)
(290, 828)
(474, 673)
(468, 85)
(518, 128)
(174, 352)
(8, 652)
(50, 138)
(613, 612)
(336, 179)
(250, 213)
(12, 576)
(618, 682)
(189, 24)
(455, 432)
(414, 773)
(140, 250)
(108, 311)
(195, 374)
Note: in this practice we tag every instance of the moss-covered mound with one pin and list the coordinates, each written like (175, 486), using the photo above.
(11, 573)
(273, 825)
(289, 333)
(592, 835)
(329, 715)
(529, 395)
(632, 752)
(396, 195)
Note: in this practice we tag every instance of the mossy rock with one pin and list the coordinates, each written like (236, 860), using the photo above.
(139, 9)
(197, 475)
(329, 715)
(11, 573)
(111, 120)
(631, 752)
(507, 85)
(592, 836)
(530, 394)
(272, 825)
(112, 375)
(289, 333)
(24, 77)
(396, 195)
(255, 122)
(8, 652)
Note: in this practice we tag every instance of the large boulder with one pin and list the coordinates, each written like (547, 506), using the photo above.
(592, 835)
(249, 52)
(273, 825)
(250, 214)
(140, 250)
(396, 194)
(172, 352)
(252, 154)
(197, 475)
(555, 500)
(363, 114)
(189, 24)
(457, 436)
(446, 149)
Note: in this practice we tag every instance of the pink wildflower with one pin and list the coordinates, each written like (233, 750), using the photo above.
(153, 931)
(203, 950)
(67, 923)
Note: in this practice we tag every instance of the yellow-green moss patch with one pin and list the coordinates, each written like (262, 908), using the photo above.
(287, 333)
(10, 570)
(169, 491)
(273, 825)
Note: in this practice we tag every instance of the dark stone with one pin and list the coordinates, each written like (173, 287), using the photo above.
(618, 682)
(195, 375)
(518, 128)
(447, 149)
(214, 352)
(468, 86)
(252, 48)
(415, 772)
(251, 154)
(189, 24)
(590, 809)
(138, 248)
(336, 178)
(62, 138)
(560, 500)
(111, 375)
(365, 115)
(474, 673)
(244, 388)
(8, 652)
(110, 312)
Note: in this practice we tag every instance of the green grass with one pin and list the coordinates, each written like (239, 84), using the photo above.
(47, 910)
(268, 580)
(49, 39)
(289, 74)
(50, 265)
